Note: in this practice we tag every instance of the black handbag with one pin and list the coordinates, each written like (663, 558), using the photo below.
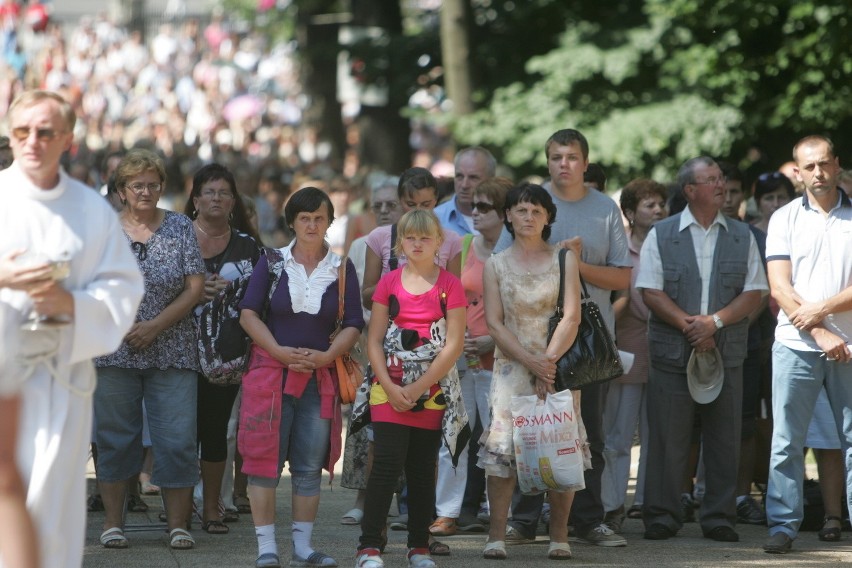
(593, 358)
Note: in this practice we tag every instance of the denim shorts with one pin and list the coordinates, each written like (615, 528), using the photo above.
(303, 442)
(170, 401)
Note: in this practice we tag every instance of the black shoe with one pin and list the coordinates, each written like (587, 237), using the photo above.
(95, 503)
(135, 504)
(469, 523)
(722, 534)
(750, 513)
(657, 531)
(779, 543)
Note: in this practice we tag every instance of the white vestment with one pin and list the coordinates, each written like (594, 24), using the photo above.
(52, 369)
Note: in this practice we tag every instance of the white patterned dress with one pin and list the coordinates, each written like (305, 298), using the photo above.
(528, 302)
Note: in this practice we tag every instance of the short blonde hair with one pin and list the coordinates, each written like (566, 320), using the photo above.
(137, 162)
(418, 222)
(29, 99)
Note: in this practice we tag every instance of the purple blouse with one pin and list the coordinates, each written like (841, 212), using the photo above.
(302, 329)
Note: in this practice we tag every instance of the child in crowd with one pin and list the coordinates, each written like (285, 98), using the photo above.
(416, 335)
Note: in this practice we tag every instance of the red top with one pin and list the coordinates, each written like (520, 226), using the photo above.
(416, 312)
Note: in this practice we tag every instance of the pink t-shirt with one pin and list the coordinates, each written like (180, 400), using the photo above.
(416, 312)
(379, 241)
(471, 278)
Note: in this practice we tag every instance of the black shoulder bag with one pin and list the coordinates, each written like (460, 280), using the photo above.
(593, 358)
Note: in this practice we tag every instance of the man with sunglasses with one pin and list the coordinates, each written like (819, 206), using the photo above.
(701, 276)
(47, 216)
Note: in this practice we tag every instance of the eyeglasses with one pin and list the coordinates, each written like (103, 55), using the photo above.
(223, 195)
(21, 133)
(711, 181)
(379, 205)
(141, 250)
(138, 188)
(483, 207)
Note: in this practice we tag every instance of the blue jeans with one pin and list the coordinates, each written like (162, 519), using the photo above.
(170, 402)
(303, 441)
(797, 378)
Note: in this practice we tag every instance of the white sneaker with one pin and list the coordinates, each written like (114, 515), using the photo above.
(369, 558)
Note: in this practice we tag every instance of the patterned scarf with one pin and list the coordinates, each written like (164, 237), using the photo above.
(415, 362)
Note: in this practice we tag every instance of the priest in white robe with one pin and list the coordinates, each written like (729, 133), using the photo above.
(47, 216)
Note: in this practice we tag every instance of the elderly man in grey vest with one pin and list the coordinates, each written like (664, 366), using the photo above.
(701, 276)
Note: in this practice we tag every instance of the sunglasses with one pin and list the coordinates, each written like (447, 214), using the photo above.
(770, 175)
(141, 250)
(21, 133)
(483, 207)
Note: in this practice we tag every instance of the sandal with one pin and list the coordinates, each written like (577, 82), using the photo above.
(634, 512)
(215, 527)
(437, 548)
(114, 538)
(353, 517)
(443, 526)
(316, 558)
(495, 550)
(559, 551)
(230, 516)
(181, 539)
(148, 488)
(830, 534)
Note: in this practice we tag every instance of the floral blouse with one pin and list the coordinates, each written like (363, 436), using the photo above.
(169, 256)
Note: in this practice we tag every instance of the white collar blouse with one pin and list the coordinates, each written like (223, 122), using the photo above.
(306, 291)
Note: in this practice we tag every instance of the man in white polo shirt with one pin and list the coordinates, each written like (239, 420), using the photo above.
(809, 263)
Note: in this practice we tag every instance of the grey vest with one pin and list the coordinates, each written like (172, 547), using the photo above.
(668, 348)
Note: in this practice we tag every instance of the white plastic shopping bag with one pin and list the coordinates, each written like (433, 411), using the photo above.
(548, 448)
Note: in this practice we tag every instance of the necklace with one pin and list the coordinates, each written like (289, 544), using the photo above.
(208, 235)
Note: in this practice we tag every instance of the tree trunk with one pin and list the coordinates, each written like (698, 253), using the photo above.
(455, 52)
(384, 132)
(319, 47)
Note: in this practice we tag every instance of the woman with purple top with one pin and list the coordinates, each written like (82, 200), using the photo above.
(290, 408)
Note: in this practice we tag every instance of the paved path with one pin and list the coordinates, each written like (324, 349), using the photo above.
(689, 548)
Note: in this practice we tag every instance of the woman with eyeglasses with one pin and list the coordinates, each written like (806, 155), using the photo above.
(229, 247)
(153, 362)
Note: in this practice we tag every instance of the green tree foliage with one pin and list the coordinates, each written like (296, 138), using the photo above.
(678, 78)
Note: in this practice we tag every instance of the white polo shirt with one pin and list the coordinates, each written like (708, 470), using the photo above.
(704, 243)
(820, 251)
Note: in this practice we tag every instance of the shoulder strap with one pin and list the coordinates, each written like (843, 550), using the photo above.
(224, 255)
(560, 300)
(341, 288)
(393, 262)
(466, 242)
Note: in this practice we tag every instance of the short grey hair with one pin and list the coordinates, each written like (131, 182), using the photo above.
(382, 182)
(490, 160)
(686, 173)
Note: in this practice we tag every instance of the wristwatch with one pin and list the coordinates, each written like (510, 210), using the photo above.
(717, 321)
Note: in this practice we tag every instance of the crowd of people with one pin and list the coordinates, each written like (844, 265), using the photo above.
(735, 315)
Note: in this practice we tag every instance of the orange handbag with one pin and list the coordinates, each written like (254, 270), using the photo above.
(349, 371)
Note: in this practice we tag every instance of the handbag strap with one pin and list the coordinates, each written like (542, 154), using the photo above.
(224, 254)
(584, 295)
(341, 292)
